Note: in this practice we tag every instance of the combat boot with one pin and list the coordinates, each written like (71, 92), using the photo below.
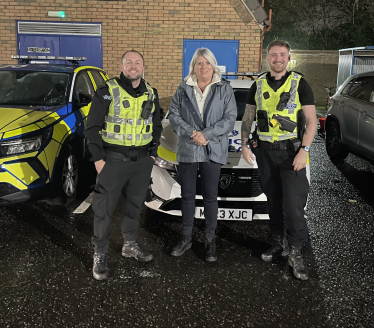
(184, 244)
(279, 246)
(210, 250)
(100, 266)
(132, 249)
(295, 260)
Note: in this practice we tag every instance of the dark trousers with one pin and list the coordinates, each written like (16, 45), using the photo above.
(286, 191)
(118, 178)
(209, 173)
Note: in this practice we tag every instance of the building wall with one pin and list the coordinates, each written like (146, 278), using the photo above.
(155, 28)
(319, 67)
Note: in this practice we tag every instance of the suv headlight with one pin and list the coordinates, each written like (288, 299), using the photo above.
(25, 144)
(164, 164)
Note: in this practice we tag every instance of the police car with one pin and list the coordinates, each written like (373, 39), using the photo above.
(43, 111)
(239, 195)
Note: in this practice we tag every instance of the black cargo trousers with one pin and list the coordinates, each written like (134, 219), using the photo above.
(129, 179)
(286, 190)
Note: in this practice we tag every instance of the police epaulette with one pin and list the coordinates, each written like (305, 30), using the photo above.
(106, 81)
(258, 76)
(297, 73)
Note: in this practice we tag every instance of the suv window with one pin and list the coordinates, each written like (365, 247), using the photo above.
(371, 99)
(98, 79)
(83, 87)
(347, 87)
(241, 96)
(359, 86)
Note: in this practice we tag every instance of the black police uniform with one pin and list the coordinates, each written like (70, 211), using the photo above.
(126, 172)
(286, 190)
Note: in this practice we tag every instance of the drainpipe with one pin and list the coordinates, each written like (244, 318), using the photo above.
(268, 27)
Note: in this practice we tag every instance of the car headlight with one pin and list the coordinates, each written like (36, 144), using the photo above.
(164, 164)
(25, 144)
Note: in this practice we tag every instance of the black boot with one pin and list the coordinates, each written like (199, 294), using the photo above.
(279, 246)
(184, 244)
(100, 266)
(295, 260)
(210, 250)
(132, 249)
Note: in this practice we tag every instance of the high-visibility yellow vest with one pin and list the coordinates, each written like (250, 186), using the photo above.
(123, 123)
(270, 104)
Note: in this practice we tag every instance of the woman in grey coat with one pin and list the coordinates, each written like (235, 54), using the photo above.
(202, 114)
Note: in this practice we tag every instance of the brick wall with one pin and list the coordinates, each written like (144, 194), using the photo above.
(155, 28)
(319, 67)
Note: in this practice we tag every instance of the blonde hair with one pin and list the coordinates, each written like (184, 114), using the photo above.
(209, 57)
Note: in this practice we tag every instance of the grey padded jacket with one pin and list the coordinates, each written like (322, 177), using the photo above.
(218, 121)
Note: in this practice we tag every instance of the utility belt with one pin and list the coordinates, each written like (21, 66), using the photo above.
(121, 157)
(280, 145)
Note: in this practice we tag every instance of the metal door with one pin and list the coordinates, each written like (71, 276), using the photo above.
(225, 51)
(78, 46)
(350, 113)
(366, 124)
(37, 38)
(39, 45)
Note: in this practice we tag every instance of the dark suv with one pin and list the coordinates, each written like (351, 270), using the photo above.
(350, 119)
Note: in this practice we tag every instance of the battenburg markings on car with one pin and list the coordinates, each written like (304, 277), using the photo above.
(49, 57)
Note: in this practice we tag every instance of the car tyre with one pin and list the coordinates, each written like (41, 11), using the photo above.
(66, 177)
(334, 146)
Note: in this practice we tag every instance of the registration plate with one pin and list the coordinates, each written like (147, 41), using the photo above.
(227, 214)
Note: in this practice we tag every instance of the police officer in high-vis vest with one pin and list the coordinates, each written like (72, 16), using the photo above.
(123, 131)
(282, 103)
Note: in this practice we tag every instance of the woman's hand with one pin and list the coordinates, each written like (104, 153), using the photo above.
(198, 138)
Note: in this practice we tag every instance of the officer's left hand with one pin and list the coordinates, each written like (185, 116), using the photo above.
(300, 160)
(153, 158)
(199, 138)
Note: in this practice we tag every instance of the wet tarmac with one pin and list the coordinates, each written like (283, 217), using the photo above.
(46, 261)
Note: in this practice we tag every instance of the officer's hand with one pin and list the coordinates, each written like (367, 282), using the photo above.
(300, 160)
(199, 138)
(99, 165)
(248, 156)
(154, 158)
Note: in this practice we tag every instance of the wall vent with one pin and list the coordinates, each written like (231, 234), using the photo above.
(59, 28)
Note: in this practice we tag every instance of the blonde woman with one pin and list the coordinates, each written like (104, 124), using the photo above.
(202, 114)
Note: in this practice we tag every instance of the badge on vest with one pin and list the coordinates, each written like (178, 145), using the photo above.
(106, 97)
(291, 106)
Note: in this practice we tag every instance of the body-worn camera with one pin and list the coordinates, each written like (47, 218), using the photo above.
(283, 100)
(147, 109)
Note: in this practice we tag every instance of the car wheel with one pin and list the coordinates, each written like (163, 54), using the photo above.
(334, 146)
(66, 177)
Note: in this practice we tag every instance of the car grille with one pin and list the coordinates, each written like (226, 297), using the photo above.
(233, 183)
(256, 207)
(7, 189)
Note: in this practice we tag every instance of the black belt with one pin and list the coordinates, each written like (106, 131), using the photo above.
(276, 145)
(122, 157)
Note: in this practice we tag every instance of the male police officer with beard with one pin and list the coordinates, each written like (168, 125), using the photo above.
(283, 104)
(123, 131)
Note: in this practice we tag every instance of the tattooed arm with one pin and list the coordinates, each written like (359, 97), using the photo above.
(247, 121)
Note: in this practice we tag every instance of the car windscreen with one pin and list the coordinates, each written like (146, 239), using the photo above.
(30, 88)
(241, 96)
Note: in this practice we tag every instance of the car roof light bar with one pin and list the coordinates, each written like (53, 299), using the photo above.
(244, 74)
(27, 59)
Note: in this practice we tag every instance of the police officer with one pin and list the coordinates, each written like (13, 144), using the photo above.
(123, 131)
(283, 104)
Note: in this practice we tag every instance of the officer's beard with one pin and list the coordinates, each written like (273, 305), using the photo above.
(132, 79)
